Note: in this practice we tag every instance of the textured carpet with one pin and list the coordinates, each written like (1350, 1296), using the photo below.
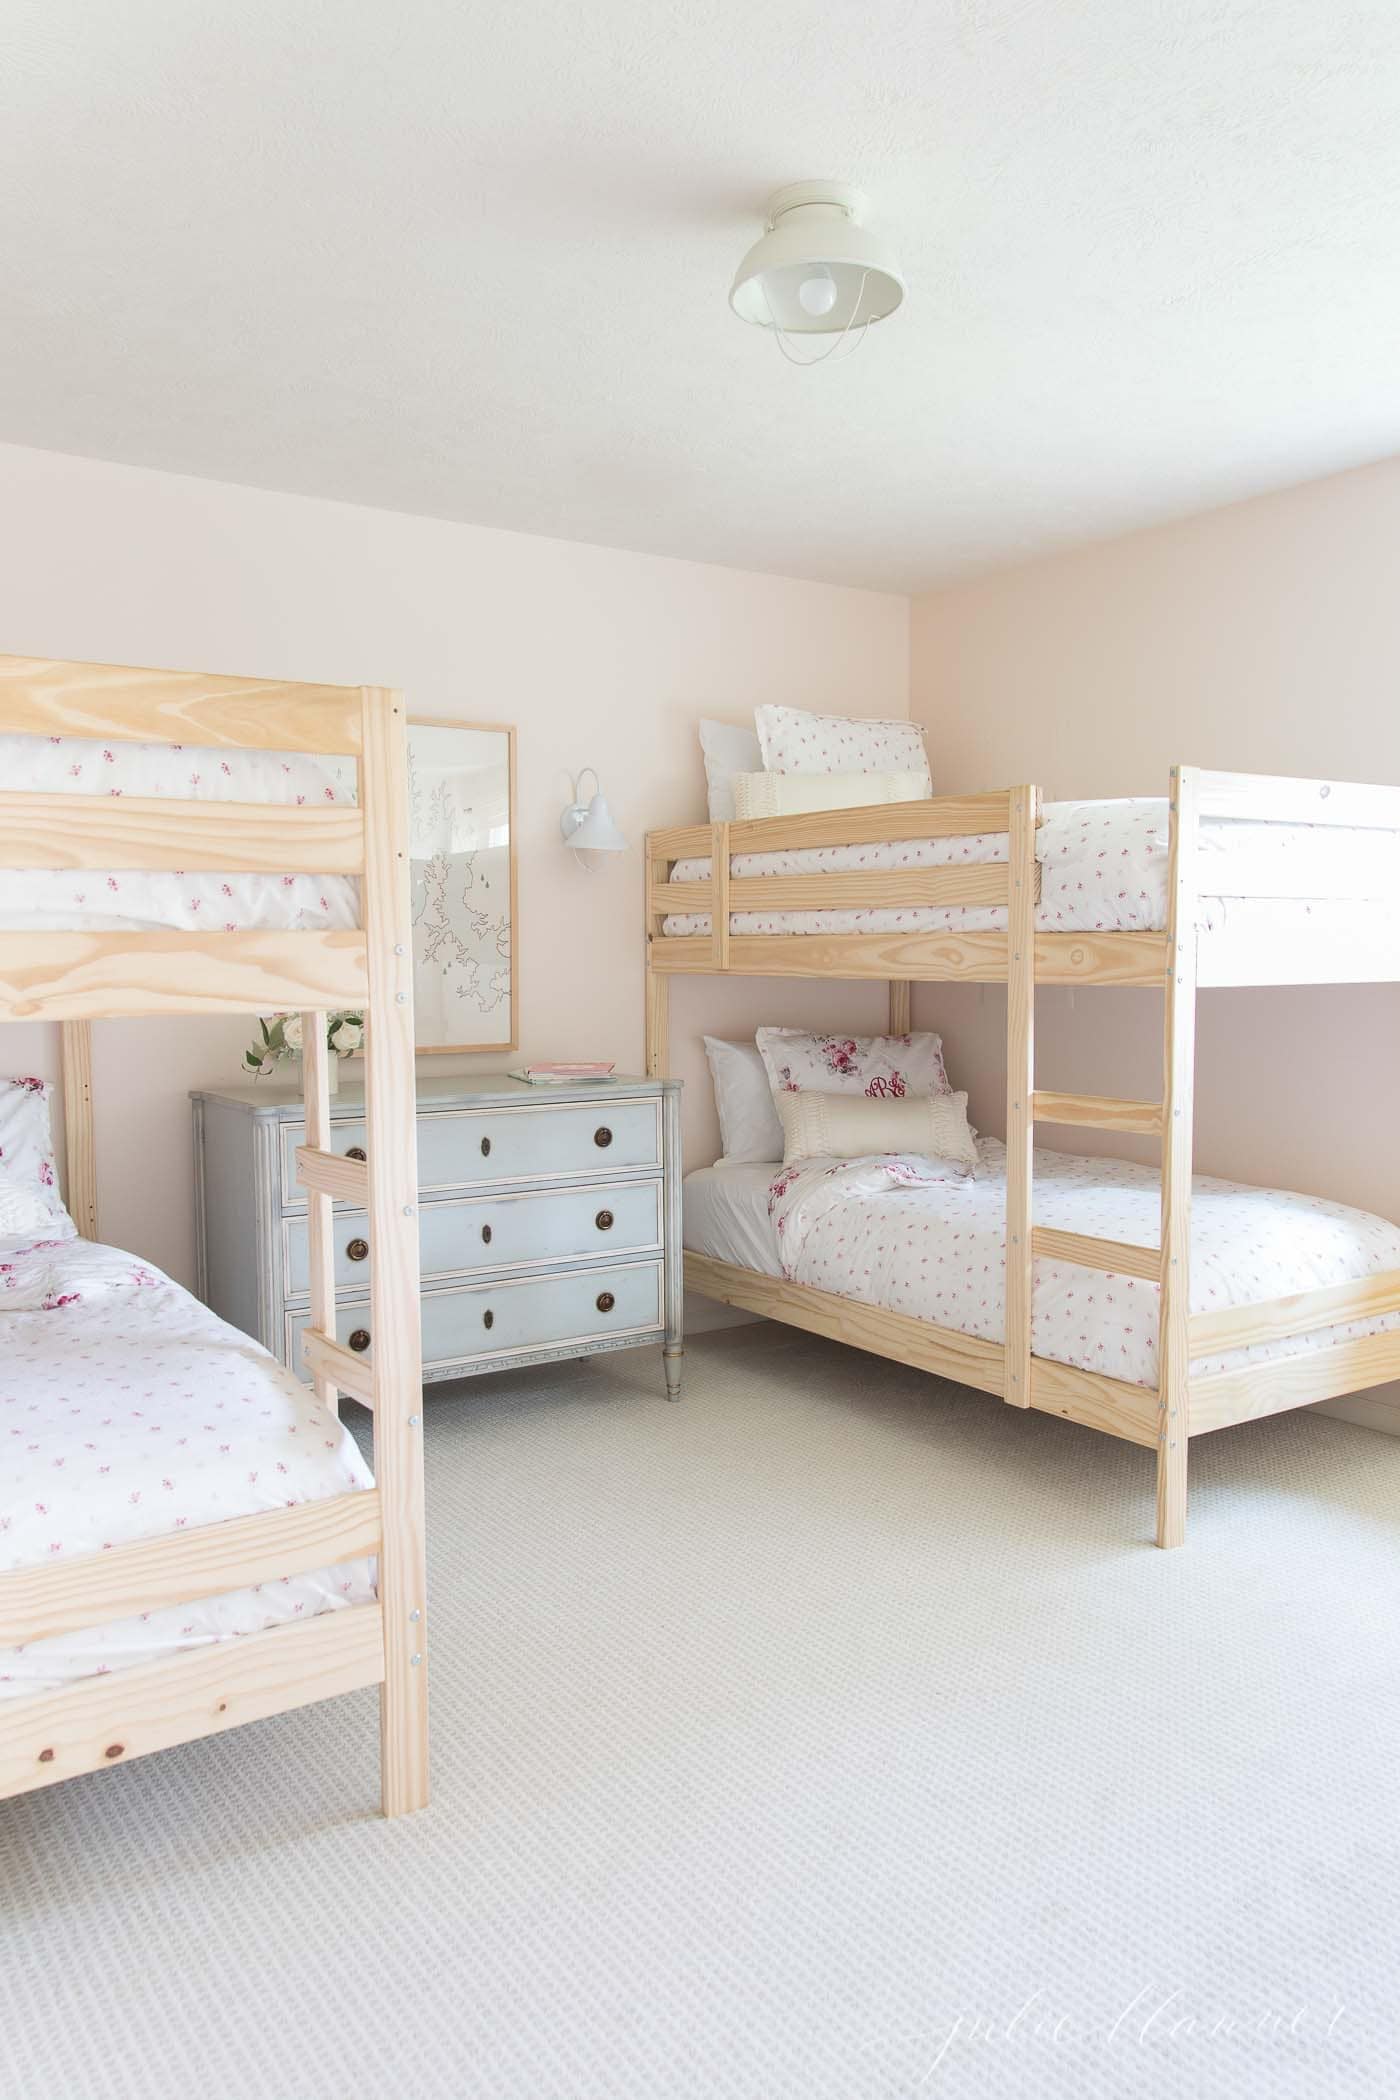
(835, 1735)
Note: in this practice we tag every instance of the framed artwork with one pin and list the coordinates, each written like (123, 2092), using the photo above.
(461, 791)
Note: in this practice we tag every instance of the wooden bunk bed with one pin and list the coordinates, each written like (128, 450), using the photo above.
(74, 978)
(1176, 961)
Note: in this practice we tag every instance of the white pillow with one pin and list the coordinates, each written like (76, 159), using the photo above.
(729, 748)
(748, 1122)
(27, 1156)
(799, 794)
(883, 1066)
(795, 742)
(22, 1216)
(849, 1126)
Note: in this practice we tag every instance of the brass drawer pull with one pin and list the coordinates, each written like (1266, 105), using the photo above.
(606, 1301)
(488, 1318)
(604, 1221)
(357, 1152)
(602, 1135)
(359, 1340)
(486, 1235)
(358, 1250)
(486, 1148)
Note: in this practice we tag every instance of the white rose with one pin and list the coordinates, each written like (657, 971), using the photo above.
(291, 1031)
(348, 1038)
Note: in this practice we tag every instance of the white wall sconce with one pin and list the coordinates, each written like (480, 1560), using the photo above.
(588, 826)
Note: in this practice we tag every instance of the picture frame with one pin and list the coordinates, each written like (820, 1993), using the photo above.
(466, 957)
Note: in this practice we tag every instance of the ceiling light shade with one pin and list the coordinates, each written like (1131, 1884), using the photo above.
(817, 270)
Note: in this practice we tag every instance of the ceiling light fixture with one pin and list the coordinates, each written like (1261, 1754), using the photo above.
(817, 271)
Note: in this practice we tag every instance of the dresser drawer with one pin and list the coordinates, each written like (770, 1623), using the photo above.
(544, 1141)
(503, 1319)
(495, 1232)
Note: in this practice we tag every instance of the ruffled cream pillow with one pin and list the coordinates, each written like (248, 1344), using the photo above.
(801, 794)
(852, 1126)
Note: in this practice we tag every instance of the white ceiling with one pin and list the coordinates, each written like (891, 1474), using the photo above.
(473, 260)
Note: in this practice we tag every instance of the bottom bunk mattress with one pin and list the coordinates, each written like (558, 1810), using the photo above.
(127, 1410)
(901, 1233)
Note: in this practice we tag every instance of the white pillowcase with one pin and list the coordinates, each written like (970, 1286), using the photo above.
(729, 748)
(799, 794)
(748, 1122)
(850, 1126)
(885, 1067)
(27, 1157)
(22, 1216)
(793, 741)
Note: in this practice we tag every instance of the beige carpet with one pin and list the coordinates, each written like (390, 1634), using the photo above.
(835, 1735)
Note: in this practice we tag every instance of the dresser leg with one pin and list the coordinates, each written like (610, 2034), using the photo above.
(671, 1358)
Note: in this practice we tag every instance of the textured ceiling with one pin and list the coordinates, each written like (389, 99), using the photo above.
(473, 261)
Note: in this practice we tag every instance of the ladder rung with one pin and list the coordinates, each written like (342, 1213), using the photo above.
(332, 1174)
(338, 1365)
(1098, 1112)
(1114, 1257)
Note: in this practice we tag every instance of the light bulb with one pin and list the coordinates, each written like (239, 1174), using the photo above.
(817, 295)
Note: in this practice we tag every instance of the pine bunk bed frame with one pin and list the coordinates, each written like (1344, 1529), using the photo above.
(74, 978)
(1176, 962)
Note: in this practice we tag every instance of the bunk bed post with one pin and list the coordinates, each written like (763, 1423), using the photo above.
(1020, 1086)
(1178, 1103)
(80, 1178)
(658, 1049)
(316, 1098)
(392, 1146)
(901, 1006)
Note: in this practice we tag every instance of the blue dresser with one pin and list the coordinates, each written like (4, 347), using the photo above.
(549, 1220)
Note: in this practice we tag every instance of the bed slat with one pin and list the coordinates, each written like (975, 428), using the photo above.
(109, 1720)
(1277, 1319)
(925, 958)
(332, 1362)
(1110, 1257)
(1099, 1112)
(1277, 798)
(332, 1174)
(87, 976)
(120, 702)
(166, 833)
(91, 1589)
(1221, 1398)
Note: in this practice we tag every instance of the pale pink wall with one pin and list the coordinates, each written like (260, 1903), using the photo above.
(1263, 637)
(599, 657)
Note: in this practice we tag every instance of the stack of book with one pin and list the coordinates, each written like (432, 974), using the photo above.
(576, 1074)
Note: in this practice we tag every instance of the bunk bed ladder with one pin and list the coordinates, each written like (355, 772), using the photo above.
(1170, 1121)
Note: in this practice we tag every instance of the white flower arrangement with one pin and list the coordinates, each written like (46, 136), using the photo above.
(281, 1038)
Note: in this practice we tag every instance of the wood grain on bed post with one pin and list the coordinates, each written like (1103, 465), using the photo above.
(1020, 1086)
(719, 894)
(391, 1142)
(78, 1137)
(1178, 1100)
(901, 1006)
(315, 1084)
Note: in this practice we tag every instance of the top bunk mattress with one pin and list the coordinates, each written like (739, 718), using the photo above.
(1103, 869)
(127, 901)
(129, 1411)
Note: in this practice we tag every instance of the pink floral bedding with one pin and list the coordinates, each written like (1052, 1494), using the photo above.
(902, 1233)
(127, 1410)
